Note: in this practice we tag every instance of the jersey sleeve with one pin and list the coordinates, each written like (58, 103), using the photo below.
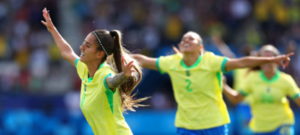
(217, 63)
(292, 88)
(106, 72)
(163, 63)
(81, 68)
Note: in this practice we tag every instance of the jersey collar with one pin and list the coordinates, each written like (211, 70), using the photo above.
(273, 79)
(194, 65)
(91, 78)
(101, 65)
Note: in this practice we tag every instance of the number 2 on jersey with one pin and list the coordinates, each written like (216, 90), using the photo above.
(188, 86)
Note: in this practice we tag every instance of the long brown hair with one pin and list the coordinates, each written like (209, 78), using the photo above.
(112, 42)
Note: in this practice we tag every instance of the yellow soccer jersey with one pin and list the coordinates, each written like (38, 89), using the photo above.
(100, 105)
(269, 105)
(197, 90)
(239, 77)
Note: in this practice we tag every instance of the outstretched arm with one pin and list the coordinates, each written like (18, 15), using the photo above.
(251, 61)
(145, 62)
(232, 95)
(117, 80)
(64, 48)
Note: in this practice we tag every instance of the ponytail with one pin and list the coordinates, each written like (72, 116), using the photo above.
(129, 85)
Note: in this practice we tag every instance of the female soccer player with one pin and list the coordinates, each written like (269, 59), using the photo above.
(271, 114)
(104, 94)
(196, 78)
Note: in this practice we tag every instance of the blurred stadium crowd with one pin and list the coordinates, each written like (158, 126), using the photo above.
(36, 81)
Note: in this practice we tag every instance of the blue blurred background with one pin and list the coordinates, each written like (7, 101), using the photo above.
(39, 91)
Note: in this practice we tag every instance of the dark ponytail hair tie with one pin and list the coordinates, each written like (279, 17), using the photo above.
(112, 34)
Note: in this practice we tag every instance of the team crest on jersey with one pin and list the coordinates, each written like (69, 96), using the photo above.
(187, 72)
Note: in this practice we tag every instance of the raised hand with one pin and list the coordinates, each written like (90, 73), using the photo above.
(127, 68)
(117, 80)
(283, 60)
(48, 22)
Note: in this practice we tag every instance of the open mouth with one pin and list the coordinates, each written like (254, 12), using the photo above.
(186, 45)
(82, 54)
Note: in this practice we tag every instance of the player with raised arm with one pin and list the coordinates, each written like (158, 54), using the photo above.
(105, 91)
(197, 83)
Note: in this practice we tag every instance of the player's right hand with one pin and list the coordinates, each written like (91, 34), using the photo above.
(48, 22)
(283, 60)
(128, 69)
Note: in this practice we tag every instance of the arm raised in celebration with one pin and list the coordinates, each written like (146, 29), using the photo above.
(64, 48)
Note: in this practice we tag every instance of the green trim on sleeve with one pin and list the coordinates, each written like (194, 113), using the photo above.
(76, 61)
(109, 94)
(242, 93)
(223, 65)
(295, 96)
(105, 84)
(157, 66)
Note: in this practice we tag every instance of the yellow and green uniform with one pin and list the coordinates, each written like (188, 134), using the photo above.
(197, 90)
(100, 105)
(269, 105)
(239, 77)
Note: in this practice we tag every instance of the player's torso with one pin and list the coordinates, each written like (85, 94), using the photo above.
(195, 85)
(198, 92)
(268, 100)
(269, 104)
(268, 93)
(92, 97)
(102, 110)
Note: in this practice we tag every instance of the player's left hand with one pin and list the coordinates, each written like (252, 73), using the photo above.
(127, 68)
(48, 22)
(283, 60)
